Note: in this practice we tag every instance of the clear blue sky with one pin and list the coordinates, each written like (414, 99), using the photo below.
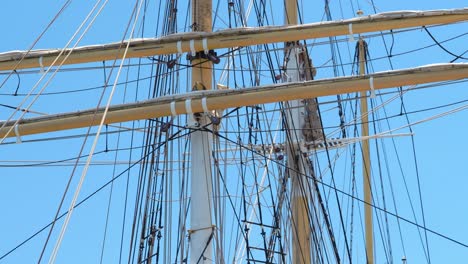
(29, 196)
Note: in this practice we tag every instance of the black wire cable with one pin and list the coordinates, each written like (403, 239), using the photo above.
(18, 86)
(359, 199)
(413, 146)
(109, 199)
(252, 136)
(336, 192)
(20, 109)
(327, 127)
(386, 246)
(57, 15)
(385, 242)
(19, 82)
(275, 225)
(222, 69)
(294, 158)
(442, 47)
(82, 201)
(352, 196)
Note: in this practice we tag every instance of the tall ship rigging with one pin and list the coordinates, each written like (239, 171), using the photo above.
(236, 131)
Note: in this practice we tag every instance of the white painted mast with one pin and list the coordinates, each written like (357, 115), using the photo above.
(202, 230)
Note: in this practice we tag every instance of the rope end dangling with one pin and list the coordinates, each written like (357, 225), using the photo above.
(18, 136)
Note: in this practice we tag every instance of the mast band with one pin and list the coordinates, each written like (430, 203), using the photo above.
(188, 106)
(179, 47)
(371, 84)
(173, 110)
(192, 47)
(205, 45)
(190, 119)
(18, 137)
(205, 107)
(351, 35)
(41, 64)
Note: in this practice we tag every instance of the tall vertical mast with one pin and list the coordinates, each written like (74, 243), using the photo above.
(366, 170)
(202, 229)
(291, 12)
(301, 117)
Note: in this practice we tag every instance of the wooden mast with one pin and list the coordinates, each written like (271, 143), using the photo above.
(232, 38)
(222, 99)
(366, 163)
(295, 56)
(201, 233)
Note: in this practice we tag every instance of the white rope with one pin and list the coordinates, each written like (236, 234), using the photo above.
(26, 109)
(188, 108)
(179, 47)
(205, 45)
(453, 111)
(371, 84)
(28, 51)
(357, 119)
(351, 35)
(18, 137)
(241, 250)
(91, 152)
(173, 109)
(204, 106)
(192, 47)
(41, 65)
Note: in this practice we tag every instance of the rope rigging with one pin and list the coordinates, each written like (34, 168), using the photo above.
(176, 135)
(258, 168)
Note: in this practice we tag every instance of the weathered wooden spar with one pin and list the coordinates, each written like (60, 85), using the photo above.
(198, 41)
(221, 99)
